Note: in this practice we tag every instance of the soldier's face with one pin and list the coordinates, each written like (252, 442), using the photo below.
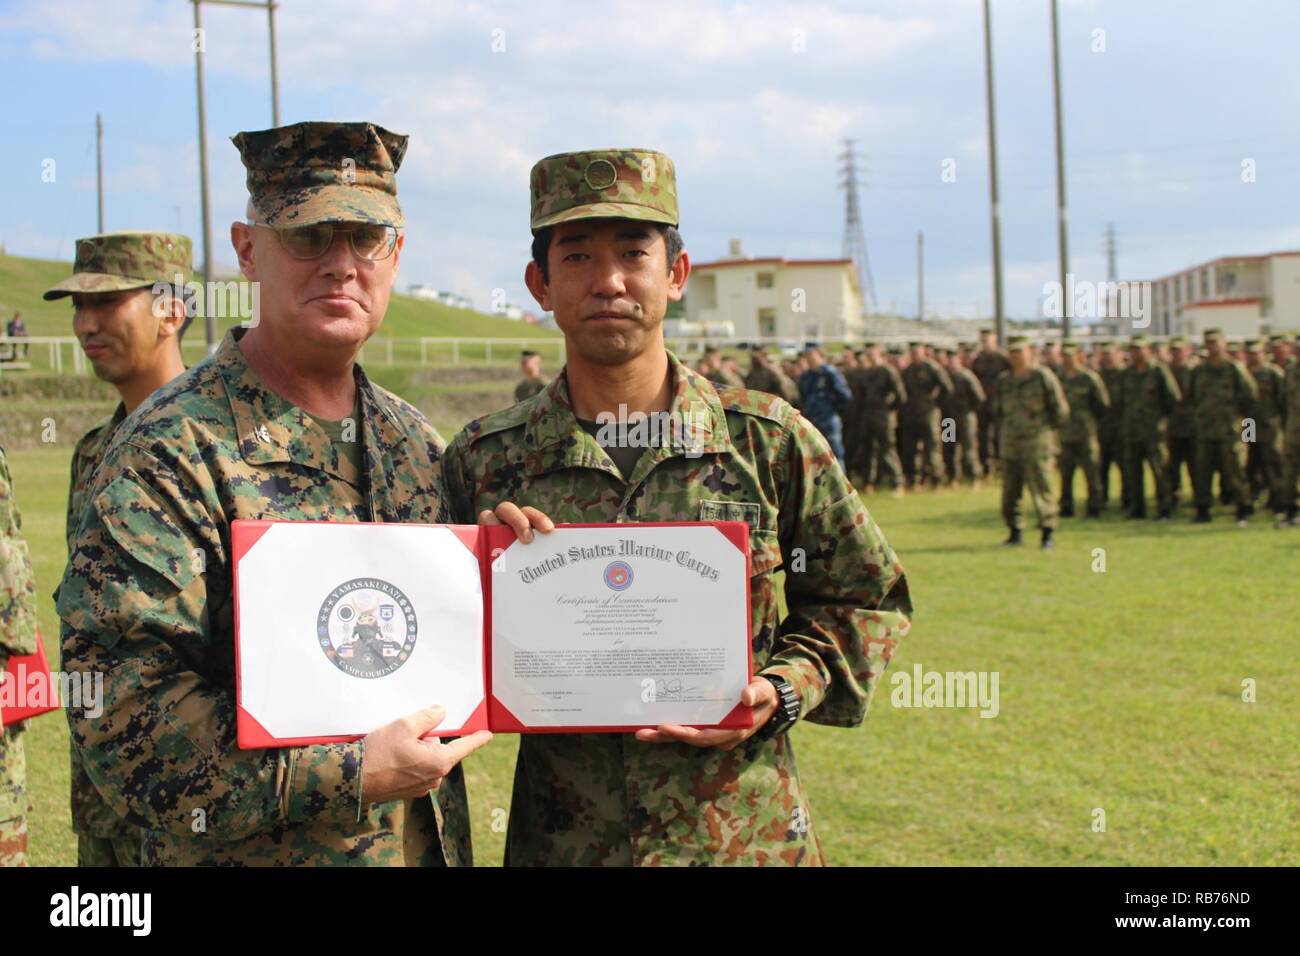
(608, 285)
(120, 333)
(531, 366)
(1019, 359)
(334, 301)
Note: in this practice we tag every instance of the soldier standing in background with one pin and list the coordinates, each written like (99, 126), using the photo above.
(961, 452)
(1291, 446)
(851, 368)
(1148, 394)
(129, 314)
(711, 367)
(1280, 346)
(987, 364)
(530, 365)
(1110, 431)
(918, 422)
(825, 394)
(763, 376)
(1221, 393)
(17, 639)
(1088, 399)
(678, 795)
(883, 394)
(1264, 454)
(1030, 407)
(1182, 425)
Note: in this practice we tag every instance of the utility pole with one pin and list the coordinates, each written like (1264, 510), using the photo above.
(1112, 272)
(199, 43)
(1062, 216)
(209, 320)
(920, 276)
(854, 245)
(99, 170)
(996, 211)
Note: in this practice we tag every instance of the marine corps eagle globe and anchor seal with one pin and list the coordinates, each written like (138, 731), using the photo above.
(367, 627)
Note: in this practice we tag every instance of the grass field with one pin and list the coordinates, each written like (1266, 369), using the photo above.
(1120, 691)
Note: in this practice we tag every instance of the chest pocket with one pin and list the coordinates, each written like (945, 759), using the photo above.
(764, 547)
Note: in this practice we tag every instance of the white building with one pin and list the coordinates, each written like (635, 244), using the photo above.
(776, 298)
(1246, 296)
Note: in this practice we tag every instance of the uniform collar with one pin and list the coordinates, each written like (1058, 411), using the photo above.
(273, 429)
(554, 439)
(94, 448)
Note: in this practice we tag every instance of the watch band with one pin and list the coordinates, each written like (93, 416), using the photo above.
(788, 708)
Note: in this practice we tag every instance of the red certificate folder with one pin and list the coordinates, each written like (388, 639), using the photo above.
(29, 697)
(485, 543)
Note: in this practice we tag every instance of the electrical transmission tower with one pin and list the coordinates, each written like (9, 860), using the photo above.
(855, 241)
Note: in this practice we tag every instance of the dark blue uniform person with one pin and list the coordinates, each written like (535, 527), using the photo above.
(825, 394)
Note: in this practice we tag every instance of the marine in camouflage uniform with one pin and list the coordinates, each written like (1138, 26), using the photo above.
(532, 382)
(142, 345)
(1110, 430)
(1222, 391)
(961, 454)
(987, 364)
(883, 393)
(611, 799)
(1291, 445)
(1030, 407)
(1148, 394)
(147, 599)
(1264, 455)
(763, 376)
(1088, 399)
(1182, 422)
(17, 638)
(918, 421)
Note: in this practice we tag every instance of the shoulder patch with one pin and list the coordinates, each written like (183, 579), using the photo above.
(504, 419)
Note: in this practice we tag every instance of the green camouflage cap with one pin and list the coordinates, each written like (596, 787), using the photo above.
(1178, 342)
(1277, 338)
(1137, 341)
(1069, 347)
(323, 172)
(1254, 345)
(117, 261)
(1212, 335)
(603, 184)
(1017, 342)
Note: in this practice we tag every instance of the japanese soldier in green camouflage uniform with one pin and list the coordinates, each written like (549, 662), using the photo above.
(1290, 444)
(1110, 431)
(279, 423)
(1264, 454)
(883, 393)
(129, 313)
(1088, 400)
(918, 420)
(987, 364)
(17, 638)
(1030, 407)
(1148, 394)
(607, 260)
(1222, 391)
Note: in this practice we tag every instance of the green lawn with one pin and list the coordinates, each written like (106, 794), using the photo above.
(1119, 690)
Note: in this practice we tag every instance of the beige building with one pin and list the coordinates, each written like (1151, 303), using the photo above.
(1246, 296)
(776, 298)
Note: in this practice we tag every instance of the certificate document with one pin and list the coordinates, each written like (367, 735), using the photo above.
(341, 628)
(620, 627)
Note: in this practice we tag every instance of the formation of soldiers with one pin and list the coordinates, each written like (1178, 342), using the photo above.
(281, 423)
(928, 417)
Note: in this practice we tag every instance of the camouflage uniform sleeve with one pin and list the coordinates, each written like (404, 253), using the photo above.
(900, 389)
(849, 606)
(1247, 390)
(976, 388)
(945, 382)
(1100, 395)
(17, 588)
(1172, 393)
(135, 607)
(1058, 409)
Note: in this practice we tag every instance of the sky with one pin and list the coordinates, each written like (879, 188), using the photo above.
(1166, 103)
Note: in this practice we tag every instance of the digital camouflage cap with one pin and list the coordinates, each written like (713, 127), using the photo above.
(323, 172)
(118, 261)
(603, 184)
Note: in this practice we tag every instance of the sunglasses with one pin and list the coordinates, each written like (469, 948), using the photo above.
(371, 241)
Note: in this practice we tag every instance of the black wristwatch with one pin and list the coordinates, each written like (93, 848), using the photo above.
(787, 710)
